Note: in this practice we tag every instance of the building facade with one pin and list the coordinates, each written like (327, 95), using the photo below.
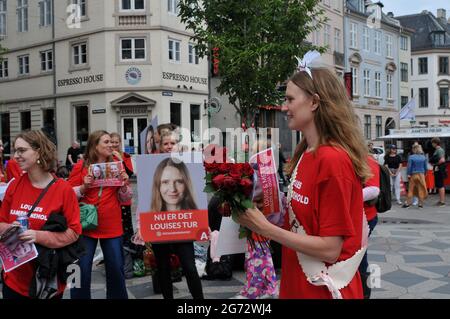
(430, 74)
(120, 64)
(372, 54)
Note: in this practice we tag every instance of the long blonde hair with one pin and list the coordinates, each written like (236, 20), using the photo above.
(335, 119)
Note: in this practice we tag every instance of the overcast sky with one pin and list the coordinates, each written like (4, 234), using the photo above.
(404, 7)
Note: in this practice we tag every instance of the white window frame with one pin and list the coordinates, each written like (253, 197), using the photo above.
(353, 35)
(3, 18)
(366, 82)
(326, 36)
(366, 39)
(368, 127)
(378, 84)
(355, 80)
(379, 126)
(82, 4)
(4, 67)
(79, 46)
(133, 49)
(24, 64)
(404, 43)
(45, 13)
(47, 62)
(172, 7)
(22, 15)
(193, 55)
(377, 41)
(176, 54)
(337, 40)
(388, 39)
(132, 6)
(389, 87)
(316, 36)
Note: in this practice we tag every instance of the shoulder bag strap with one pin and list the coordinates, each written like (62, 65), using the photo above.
(41, 196)
(99, 195)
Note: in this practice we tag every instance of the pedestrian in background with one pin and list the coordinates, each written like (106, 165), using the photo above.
(417, 167)
(73, 154)
(36, 156)
(2, 166)
(393, 162)
(109, 230)
(439, 168)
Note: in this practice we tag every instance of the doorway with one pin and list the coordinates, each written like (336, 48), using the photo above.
(131, 130)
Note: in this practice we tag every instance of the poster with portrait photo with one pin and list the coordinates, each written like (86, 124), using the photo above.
(106, 174)
(146, 135)
(14, 252)
(172, 204)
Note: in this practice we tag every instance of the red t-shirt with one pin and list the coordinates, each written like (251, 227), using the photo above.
(60, 198)
(108, 208)
(327, 201)
(13, 170)
(371, 211)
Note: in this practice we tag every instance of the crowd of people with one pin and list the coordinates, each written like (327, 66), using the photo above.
(425, 172)
(329, 212)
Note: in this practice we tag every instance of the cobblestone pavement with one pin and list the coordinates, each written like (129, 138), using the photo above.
(411, 247)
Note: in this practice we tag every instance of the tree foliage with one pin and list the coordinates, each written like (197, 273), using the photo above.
(257, 41)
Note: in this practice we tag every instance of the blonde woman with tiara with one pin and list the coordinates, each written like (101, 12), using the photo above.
(325, 235)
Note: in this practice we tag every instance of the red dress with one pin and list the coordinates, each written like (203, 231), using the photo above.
(327, 201)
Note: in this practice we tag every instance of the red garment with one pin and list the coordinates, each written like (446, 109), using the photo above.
(60, 198)
(371, 211)
(327, 201)
(108, 209)
(13, 170)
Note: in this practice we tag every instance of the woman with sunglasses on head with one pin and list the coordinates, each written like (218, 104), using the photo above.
(325, 235)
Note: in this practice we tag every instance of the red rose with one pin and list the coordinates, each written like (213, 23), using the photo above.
(225, 209)
(247, 169)
(236, 175)
(229, 183)
(247, 186)
(224, 168)
(218, 181)
(211, 167)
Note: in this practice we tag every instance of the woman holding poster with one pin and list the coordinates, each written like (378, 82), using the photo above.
(173, 191)
(109, 230)
(325, 236)
(36, 156)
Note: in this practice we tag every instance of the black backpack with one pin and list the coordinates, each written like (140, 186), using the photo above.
(383, 203)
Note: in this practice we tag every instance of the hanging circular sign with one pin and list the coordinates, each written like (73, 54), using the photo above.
(133, 75)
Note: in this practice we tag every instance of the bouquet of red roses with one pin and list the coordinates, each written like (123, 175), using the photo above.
(232, 183)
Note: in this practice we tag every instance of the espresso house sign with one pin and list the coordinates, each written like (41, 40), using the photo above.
(80, 80)
(184, 78)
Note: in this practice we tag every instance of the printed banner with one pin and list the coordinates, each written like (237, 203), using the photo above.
(266, 181)
(175, 226)
(13, 252)
(147, 137)
(106, 174)
(172, 204)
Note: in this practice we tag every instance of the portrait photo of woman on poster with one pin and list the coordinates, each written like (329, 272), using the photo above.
(172, 187)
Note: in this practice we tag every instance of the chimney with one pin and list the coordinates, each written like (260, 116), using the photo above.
(441, 13)
(424, 12)
(390, 14)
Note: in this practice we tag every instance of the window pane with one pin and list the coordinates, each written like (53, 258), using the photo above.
(126, 4)
(126, 44)
(139, 4)
(82, 124)
(175, 113)
(139, 43)
(126, 54)
(139, 54)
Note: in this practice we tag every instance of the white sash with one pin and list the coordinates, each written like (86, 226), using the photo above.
(336, 276)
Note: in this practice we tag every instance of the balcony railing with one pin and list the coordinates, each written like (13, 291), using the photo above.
(132, 20)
